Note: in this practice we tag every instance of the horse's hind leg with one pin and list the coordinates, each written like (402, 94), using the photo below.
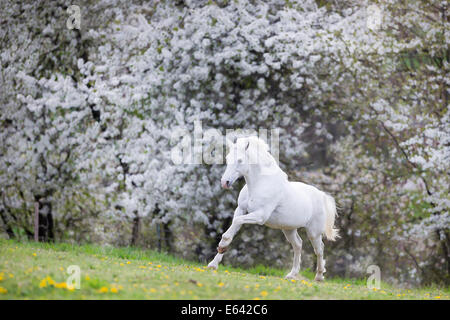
(296, 242)
(316, 241)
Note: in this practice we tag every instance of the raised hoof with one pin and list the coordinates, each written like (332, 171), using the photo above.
(319, 277)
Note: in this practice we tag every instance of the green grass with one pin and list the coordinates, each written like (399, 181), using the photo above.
(131, 273)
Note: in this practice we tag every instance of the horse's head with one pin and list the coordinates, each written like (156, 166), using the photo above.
(244, 153)
(237, 166)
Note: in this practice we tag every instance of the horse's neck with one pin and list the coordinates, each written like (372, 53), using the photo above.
(255, 176)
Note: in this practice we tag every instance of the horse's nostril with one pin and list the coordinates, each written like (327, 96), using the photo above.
(228, 183)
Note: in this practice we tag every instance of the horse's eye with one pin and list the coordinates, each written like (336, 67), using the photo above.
(239, 161)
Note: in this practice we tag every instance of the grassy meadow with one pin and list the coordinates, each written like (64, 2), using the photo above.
(39, 271)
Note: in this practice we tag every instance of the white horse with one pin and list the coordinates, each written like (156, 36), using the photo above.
(268, 198)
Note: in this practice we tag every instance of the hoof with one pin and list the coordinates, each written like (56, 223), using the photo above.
(212, 266)
(291, 277)
(319, 277)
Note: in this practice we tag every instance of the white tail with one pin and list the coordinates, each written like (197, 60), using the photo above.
(331, 213)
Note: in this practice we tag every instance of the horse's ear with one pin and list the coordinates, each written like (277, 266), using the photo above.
(246, 147)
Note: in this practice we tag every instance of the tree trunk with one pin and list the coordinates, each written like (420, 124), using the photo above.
(36, 221)
(46, 226)
(156, 213)
(167, 237)
(135, 232)
(446, 252)
(8, 229)
(158, 236)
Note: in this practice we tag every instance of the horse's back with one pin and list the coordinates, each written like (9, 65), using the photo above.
(300, 205)
(312, 192)
(316, 202)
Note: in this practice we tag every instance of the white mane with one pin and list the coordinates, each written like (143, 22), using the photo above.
(259, 152)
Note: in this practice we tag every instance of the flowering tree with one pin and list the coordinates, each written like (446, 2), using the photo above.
(358, 92)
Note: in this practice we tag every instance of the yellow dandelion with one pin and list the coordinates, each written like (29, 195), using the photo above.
(152, 290)
(246, 287)
(43, 283)
(121, 264)
(3, 290)
(61, 285)
(71, 288)
(262, 277)
(199, 284)
(34, 254)
(114, 290)
(128, 262)
(374, 289)
(87, 278)
(221, 284)
(103, 290)
(437, 297)
(256, 285)
(256, 298)
(11, 275)
(150, 263)
(50, 281)
(61, 268)
(263, 293)
(158, 266)
(1, 277)
(293, 280)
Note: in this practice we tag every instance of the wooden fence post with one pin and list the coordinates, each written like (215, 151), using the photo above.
(36, 221)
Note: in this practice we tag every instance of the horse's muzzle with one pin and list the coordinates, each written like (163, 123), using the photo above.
(227, 184)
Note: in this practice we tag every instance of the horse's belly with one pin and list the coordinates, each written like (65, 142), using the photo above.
(283, 219)
(292, 213)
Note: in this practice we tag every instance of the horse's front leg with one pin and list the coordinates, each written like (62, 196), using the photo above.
(255, 217)
(214, 264)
